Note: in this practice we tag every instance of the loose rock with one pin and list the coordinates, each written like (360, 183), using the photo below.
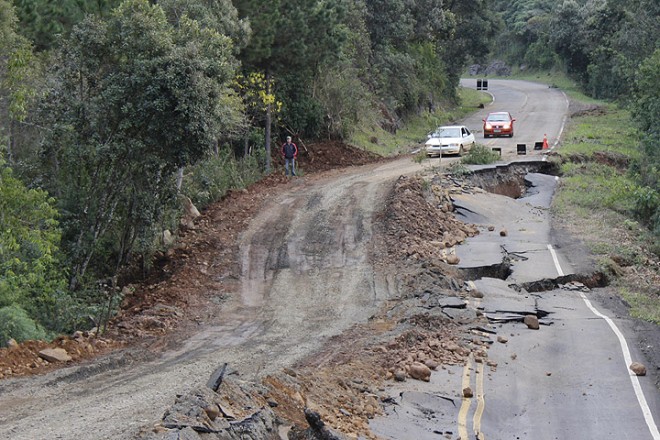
(638, 369)
(531, 322)
(420, 372)
(55, 355)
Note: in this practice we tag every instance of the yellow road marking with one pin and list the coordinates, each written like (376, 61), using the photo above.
(481, 403)
(467, 401)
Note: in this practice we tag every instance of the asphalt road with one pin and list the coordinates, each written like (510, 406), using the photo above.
(570, 379)
(538, 110)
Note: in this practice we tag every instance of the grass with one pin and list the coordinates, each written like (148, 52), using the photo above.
(414, 132)
(595, 199)
(642, 306)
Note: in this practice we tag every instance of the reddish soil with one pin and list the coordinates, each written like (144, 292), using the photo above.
(178, 277)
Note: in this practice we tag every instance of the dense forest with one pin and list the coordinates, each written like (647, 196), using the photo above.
(113, 112)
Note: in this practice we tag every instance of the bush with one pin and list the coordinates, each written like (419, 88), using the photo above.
(480, 155)
(209, 180)
(15, 323)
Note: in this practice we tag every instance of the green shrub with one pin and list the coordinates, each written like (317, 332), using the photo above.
(420, 156)
(209, 180)
(647, 206)
(15, 323)
(480, 155)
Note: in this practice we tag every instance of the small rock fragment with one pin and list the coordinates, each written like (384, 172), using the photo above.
(638, 369)
(431, 364)
(503, 233)
(212, 412)
(467, 392)
(476, 294)
(502, 339)
(420, 372)
(531, 322)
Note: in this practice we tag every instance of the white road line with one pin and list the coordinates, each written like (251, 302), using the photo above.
(633, 378)
(556, 260)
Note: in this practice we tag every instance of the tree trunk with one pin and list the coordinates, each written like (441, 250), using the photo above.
(179, 179)
(268, 122)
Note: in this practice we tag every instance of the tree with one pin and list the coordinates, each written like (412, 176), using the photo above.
(132, 99)
(16, 71)
(291, 38)
(42, 22)
(30, 274)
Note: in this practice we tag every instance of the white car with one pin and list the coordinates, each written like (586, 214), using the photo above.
(449, 139)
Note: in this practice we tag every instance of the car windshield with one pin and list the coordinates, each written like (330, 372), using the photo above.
(443, 132)
(498, 117)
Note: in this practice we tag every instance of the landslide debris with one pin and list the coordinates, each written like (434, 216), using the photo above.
(334, 393)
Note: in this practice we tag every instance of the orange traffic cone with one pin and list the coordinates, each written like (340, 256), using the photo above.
(545, 142)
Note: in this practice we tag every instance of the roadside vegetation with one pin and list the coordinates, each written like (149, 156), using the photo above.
(480, 155)
(603, 199)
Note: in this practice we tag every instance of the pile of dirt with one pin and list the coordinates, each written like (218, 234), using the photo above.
(31, 357)
(420, 224)
(322, 156)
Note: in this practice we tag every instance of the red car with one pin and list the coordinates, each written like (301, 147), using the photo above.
(498, 124)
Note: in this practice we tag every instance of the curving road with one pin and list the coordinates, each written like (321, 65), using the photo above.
(538, 110)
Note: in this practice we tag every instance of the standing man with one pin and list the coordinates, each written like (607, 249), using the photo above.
(289, 152)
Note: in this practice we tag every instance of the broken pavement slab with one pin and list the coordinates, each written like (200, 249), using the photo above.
(524, 248)
(503, 303)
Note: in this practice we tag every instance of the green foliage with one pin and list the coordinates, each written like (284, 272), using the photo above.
(133, 99)
(29, 253)
(599, 43)
(211, 179)
(480, 155)
(643, 306)
(458, 169)
(346, 101)
(647, 207)
(44, 21)
(15, 323)
(646, 105)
